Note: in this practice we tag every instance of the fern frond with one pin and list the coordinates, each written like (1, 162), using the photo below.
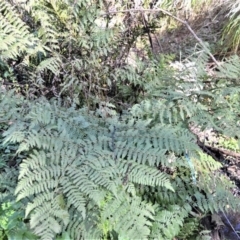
(169, 222)
(120, 211)
(15, 36)
(142, 174)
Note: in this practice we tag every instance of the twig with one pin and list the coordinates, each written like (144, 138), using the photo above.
(148, 31)
(171, 15)
(230, 225)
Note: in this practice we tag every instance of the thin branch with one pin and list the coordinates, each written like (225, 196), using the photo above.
(171, 15)
(230, 225)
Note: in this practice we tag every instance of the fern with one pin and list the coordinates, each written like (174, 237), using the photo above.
(86, 171)
(169, 222)
(92, 168)
(15, 36)
(74, 161)
(128, 224)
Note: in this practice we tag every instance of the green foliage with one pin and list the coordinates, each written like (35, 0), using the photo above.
(98, 177)
(12, 225)
(231, 31)
(64, 45)
(15, 36)
(168, 222)
(231, 144)
(94, 147)
(72, 164)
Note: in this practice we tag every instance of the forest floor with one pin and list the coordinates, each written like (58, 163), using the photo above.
(207, 22)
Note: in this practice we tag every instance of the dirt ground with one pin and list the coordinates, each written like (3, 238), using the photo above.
(207, 21)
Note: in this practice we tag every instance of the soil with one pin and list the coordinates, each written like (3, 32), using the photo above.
(206, 21)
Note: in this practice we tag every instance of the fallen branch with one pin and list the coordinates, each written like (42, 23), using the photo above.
(210, 150)
(224, 151)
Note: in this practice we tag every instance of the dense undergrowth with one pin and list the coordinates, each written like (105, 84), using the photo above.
(96, 129)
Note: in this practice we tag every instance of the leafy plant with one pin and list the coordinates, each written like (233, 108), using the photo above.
(97, 148)
(12, 225)
(75, 160)
(231, 143)
(230, 34)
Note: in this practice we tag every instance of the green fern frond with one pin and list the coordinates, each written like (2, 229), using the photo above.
(169, 222)
(142, 174)
(15, 35)
(120, 211)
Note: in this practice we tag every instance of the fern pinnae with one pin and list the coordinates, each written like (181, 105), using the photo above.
(38, 201)
(77, 200)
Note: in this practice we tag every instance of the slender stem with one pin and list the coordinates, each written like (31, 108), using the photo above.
(230, 225)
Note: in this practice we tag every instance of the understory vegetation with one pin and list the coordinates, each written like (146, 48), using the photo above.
(99, 129)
